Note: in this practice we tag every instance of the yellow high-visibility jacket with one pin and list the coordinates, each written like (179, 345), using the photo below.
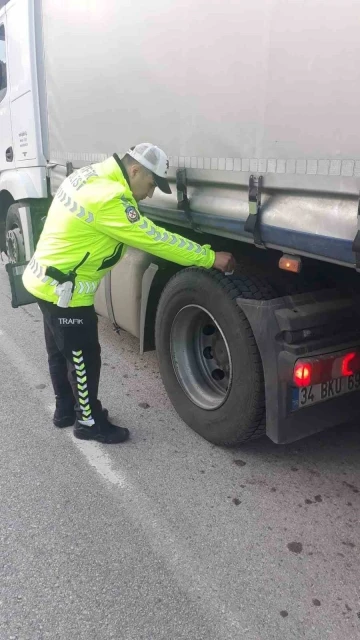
(95, 212)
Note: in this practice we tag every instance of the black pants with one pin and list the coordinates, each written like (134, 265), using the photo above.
(72, 344)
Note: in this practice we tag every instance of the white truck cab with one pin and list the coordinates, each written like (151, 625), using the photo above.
(22, 134)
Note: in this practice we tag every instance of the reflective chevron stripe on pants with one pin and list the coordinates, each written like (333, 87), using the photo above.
(73, 348)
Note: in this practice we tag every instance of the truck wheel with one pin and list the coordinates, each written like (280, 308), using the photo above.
(15, 247)
(209, 361)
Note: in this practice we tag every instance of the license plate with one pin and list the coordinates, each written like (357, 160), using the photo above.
(313, 394)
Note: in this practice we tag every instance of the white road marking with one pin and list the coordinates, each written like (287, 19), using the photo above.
(186, 569)
(197, 582)
(100, 461)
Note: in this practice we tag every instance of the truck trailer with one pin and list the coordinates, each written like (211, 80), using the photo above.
(256, 104)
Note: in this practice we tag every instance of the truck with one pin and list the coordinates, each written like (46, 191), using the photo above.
(256, 104)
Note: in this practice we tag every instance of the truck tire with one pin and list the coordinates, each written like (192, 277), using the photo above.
(208, 358)
(15, 247)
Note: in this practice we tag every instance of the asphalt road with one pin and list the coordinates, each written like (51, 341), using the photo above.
(165, 537)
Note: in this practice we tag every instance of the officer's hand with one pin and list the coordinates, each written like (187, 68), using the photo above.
(224, 261)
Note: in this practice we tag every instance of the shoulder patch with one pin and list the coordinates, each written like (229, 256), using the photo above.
(132, 214)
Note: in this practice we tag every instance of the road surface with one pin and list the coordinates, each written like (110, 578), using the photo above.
(165, 537)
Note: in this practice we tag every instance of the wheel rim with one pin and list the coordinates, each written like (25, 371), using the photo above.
(201, 357)
(15, 245)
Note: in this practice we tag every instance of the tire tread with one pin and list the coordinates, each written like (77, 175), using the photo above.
(255, 288)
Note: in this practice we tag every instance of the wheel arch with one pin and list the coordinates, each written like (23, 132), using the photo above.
(154, 281)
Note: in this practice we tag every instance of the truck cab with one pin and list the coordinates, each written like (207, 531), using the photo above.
(23, 136)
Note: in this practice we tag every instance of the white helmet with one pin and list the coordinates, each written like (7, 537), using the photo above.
(154, 159)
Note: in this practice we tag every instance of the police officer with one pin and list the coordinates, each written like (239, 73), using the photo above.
(92, 219)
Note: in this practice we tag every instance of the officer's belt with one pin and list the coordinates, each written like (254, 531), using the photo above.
(84, 287)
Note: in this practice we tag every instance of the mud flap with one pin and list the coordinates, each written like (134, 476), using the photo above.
(19, 295)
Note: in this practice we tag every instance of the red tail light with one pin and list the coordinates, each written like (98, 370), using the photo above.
(350, 364)
(303, 374)
(317, 370)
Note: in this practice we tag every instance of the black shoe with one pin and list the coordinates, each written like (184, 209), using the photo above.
(102, 431)
(67, 418)
(63, 418)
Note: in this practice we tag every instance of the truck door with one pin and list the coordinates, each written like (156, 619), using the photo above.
(23, 38)
(6, 144)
